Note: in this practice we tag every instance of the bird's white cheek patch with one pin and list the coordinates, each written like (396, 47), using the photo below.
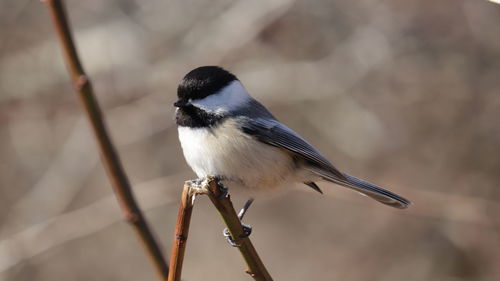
(230, 97)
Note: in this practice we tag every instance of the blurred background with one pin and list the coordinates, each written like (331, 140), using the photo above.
(408, 91)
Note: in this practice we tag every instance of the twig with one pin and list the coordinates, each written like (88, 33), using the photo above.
(120, 183)
(209, 186)
(181, 233)
(256, 268)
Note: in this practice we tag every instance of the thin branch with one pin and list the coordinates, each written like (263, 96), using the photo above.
(181, 233)
(256, 268)
(120, 183)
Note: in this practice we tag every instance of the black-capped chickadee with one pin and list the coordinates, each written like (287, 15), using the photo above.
(226, 133)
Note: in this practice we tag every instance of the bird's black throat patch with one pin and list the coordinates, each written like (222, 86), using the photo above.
(193, 117)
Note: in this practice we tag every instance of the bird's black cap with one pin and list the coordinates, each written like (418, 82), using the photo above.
(203, 81)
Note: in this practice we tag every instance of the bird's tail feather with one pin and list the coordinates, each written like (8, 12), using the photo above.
(376, 192)
(369, 189)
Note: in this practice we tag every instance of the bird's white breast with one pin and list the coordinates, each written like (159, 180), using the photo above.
(226, 151)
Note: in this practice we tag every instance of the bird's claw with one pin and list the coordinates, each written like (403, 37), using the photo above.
(224, 191)
(247, 230)
(200, 186)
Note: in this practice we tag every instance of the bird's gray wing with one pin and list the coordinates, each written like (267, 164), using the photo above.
(274, 133)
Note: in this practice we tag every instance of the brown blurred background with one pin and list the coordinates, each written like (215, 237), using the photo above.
(402, 93)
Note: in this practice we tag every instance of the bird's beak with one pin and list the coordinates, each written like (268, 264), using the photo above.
(182, 103)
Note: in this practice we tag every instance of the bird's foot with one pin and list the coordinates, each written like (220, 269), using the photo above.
(200, 185)
(224, 191)
(247, 230)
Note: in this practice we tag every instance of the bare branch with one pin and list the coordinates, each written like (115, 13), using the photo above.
(181, 233)
(120, 183)
(209, 187)
(256, 267)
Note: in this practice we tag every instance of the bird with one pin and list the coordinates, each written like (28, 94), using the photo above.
(225, 132)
